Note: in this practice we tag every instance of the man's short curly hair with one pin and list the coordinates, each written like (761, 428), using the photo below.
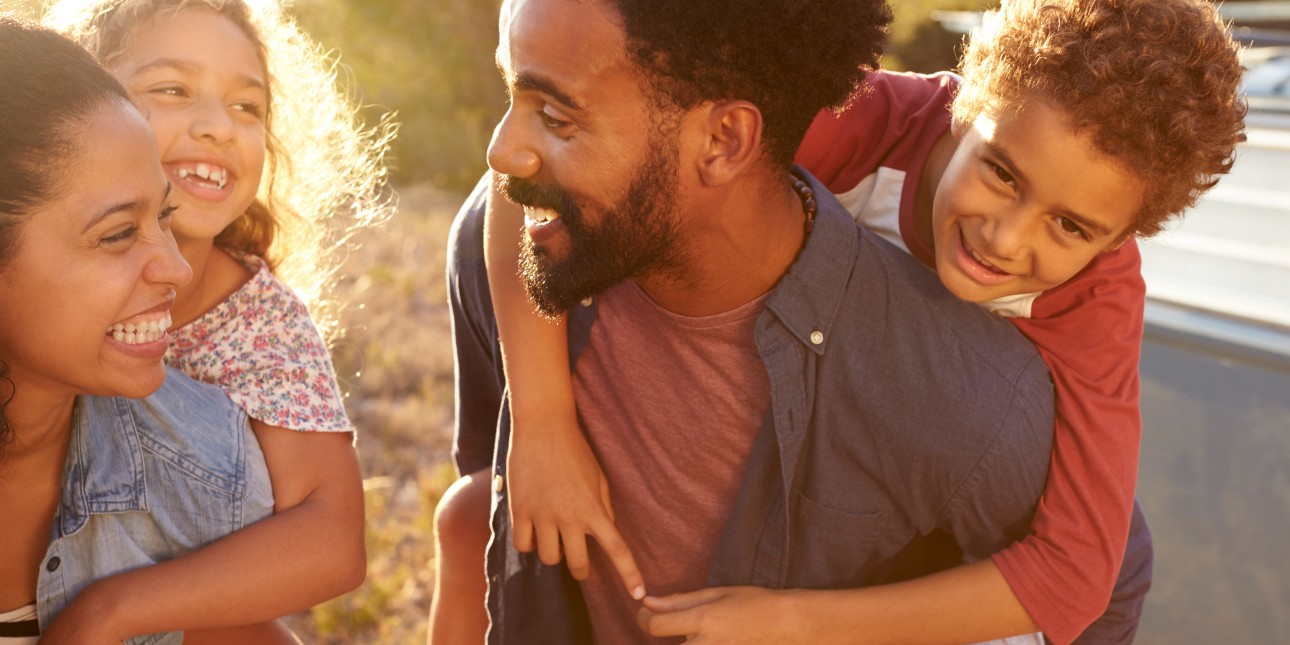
(790, 58)
(1152, 83)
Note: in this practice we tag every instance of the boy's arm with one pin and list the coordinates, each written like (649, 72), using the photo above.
(310, 550)
(1089, 332)
(558, 492)
(965, 604)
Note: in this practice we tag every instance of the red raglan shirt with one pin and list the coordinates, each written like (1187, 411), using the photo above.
(1088, 330)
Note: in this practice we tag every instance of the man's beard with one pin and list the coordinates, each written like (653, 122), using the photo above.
(637, 237)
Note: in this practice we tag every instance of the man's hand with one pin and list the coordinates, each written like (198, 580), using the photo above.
(727, 615)
(559, 494)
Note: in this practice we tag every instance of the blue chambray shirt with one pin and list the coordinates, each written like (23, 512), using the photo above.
(907, 429)
(149, 480)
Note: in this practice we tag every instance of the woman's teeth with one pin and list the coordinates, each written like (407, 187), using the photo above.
(135, 333)
(215, 174)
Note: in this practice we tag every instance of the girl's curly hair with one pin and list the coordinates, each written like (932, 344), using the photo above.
(324, 177)
(1152, 83)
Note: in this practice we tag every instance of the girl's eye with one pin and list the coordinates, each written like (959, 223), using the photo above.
(251, 108)
(169, 90)
(1071, 227)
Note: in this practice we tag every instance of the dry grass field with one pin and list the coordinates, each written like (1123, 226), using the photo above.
(395, 363)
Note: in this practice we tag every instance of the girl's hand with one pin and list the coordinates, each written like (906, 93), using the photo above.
(559, 495)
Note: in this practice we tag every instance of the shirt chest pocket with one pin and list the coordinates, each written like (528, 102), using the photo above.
(834, 549)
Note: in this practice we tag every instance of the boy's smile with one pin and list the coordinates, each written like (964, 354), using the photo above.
(1025, 203)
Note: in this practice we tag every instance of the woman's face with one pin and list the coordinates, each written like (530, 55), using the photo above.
(93, 264)
(200, 82)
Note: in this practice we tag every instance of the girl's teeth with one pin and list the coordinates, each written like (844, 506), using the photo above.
(203, 171)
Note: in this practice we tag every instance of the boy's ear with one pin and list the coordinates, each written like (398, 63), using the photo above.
(732, 141)
(957, 128)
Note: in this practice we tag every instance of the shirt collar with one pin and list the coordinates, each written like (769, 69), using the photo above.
(104, 472)
(807, 297)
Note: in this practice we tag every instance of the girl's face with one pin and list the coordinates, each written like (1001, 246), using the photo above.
(93, 265)
(198, 79)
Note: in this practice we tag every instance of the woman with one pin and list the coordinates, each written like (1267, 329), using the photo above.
(88, 273)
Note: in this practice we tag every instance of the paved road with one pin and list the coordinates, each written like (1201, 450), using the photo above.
(1214, 481)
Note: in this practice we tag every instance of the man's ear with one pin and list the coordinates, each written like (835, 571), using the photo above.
(732, 132)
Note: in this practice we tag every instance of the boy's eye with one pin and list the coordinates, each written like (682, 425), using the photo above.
(1000, 174)
(1071, 227)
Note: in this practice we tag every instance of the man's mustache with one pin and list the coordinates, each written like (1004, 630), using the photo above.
(529, 193)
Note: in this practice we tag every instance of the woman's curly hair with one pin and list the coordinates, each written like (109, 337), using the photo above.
(324, 177)
(1152, 83)
(790, 58)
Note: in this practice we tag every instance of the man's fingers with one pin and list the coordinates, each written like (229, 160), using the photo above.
(522, 535)
(548, 544)
(575, 553)
(612, 543)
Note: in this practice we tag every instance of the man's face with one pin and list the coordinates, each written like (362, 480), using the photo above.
(582, 152)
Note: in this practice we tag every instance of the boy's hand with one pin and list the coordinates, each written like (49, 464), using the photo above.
(558, 494)
(727, 615)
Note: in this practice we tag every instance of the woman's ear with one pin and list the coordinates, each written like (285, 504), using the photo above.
(732, 136)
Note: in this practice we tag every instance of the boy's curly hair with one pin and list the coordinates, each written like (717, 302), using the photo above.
(1152, 83)
(790, 58)
(324, 175)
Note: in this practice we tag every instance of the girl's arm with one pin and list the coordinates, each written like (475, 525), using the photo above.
(312, 549)
(558, 492)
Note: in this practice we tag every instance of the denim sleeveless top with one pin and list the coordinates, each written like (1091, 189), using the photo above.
(149, 480)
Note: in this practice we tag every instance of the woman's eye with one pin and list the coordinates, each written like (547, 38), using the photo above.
(166, 215)
(122, 236)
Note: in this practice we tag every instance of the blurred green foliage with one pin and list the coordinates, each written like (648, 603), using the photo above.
(431, 63)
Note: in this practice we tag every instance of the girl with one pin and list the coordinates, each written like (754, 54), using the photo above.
(235, 93)
(1048, 85)
(85, 254)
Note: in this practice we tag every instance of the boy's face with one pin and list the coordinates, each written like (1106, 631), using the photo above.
(1025, 203)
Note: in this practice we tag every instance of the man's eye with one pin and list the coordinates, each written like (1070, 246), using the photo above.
(550, 121)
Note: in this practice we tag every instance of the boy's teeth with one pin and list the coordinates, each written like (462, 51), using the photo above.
(203, 171)
(183, 173)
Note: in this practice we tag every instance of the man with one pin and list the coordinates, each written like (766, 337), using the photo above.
(780, 401)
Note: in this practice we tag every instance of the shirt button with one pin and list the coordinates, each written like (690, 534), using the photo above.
(498, 484)
(817, 337)
(586, 302)
(53, 564)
